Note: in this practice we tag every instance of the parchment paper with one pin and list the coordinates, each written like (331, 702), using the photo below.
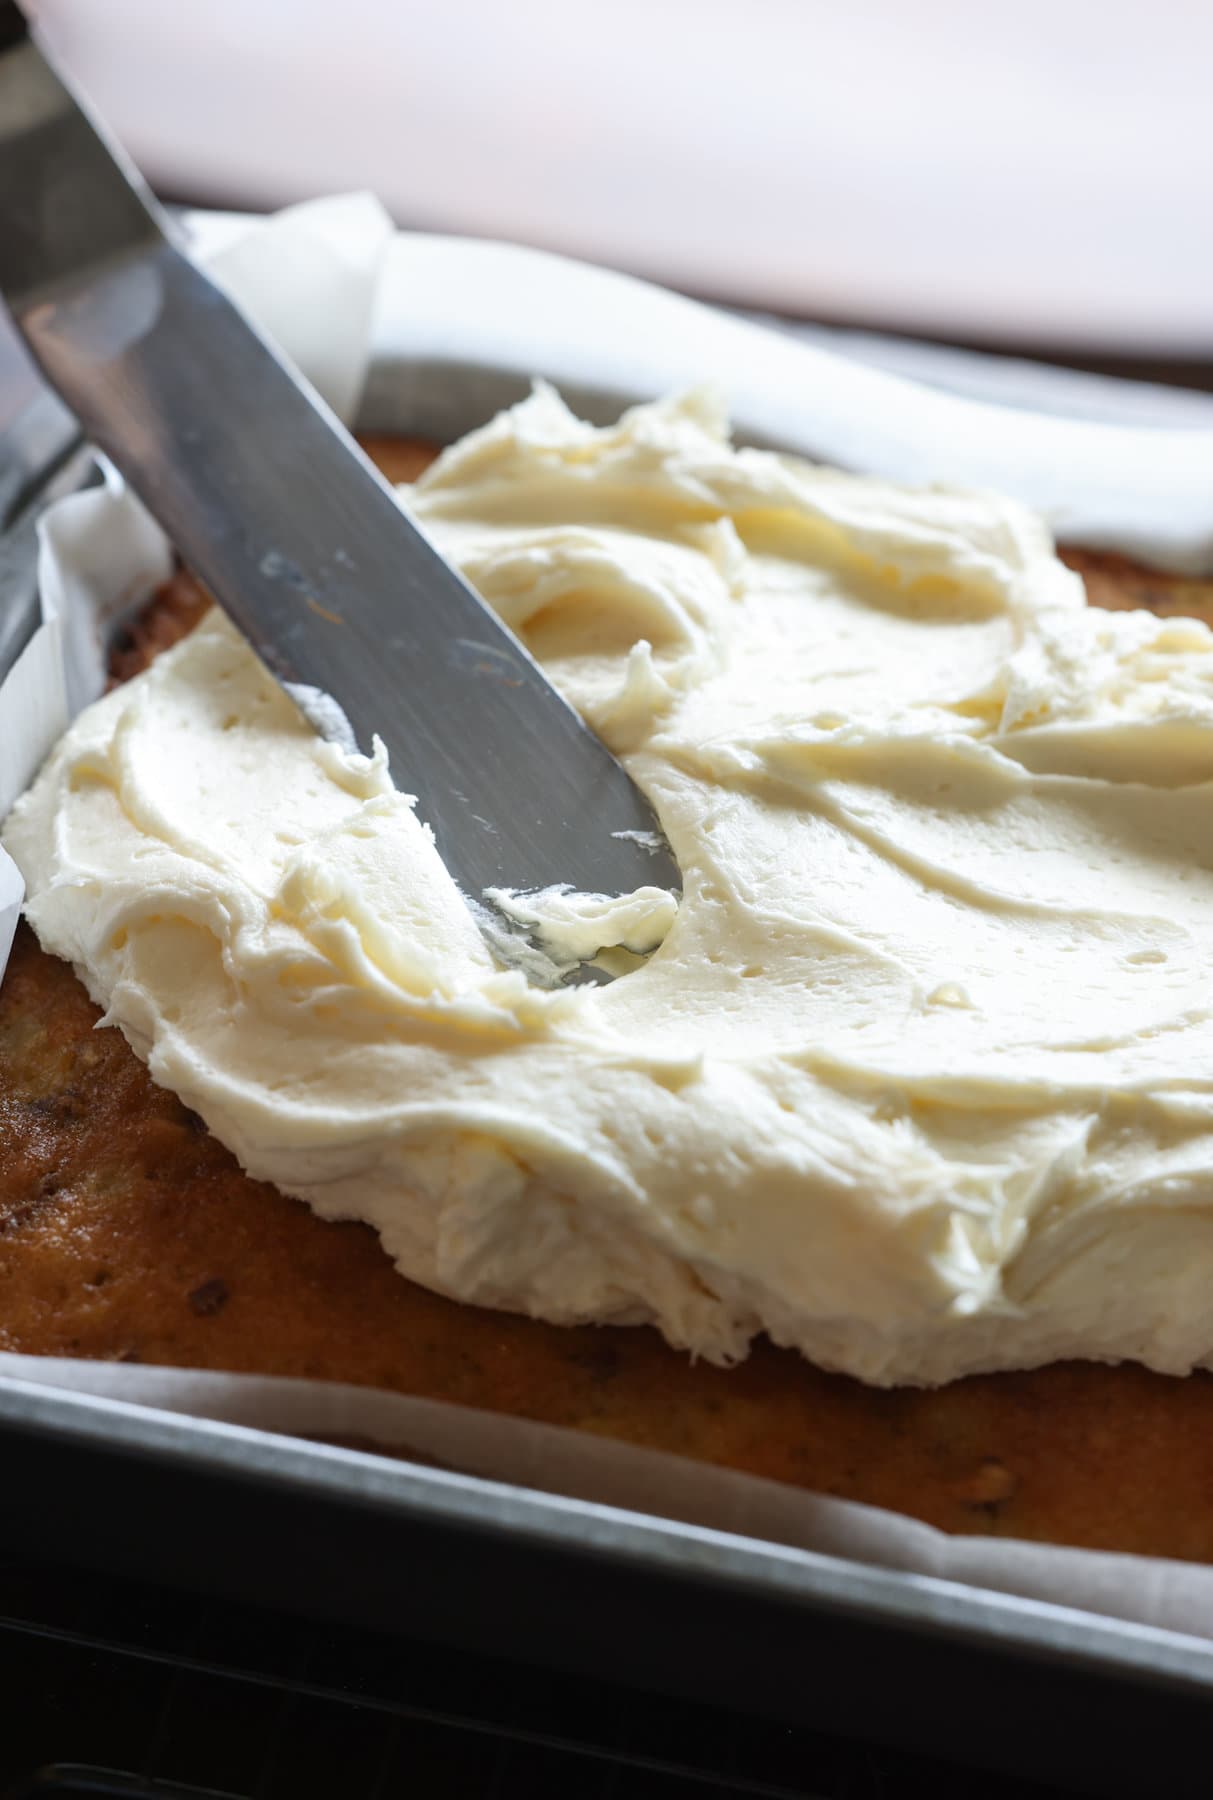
(11, 891)
(310, 276)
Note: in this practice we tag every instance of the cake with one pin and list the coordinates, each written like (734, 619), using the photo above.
(127, 1231)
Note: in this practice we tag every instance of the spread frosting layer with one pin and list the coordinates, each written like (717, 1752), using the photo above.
(920, 1076)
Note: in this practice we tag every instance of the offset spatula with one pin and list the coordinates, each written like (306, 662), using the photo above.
(271, 503)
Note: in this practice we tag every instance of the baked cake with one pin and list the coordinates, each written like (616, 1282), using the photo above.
(128, 1232)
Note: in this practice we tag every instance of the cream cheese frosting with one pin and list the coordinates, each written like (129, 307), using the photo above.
(919, 1078)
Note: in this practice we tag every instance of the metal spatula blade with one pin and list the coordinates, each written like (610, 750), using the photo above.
(271, 503)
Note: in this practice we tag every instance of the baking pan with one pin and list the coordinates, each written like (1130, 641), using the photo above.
(1098, 1705)
(1094, 1705)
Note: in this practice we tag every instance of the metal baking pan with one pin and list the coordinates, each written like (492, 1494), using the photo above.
(1100, 1706)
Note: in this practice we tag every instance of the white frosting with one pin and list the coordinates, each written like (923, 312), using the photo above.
(573, 927)
(920, 1079)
